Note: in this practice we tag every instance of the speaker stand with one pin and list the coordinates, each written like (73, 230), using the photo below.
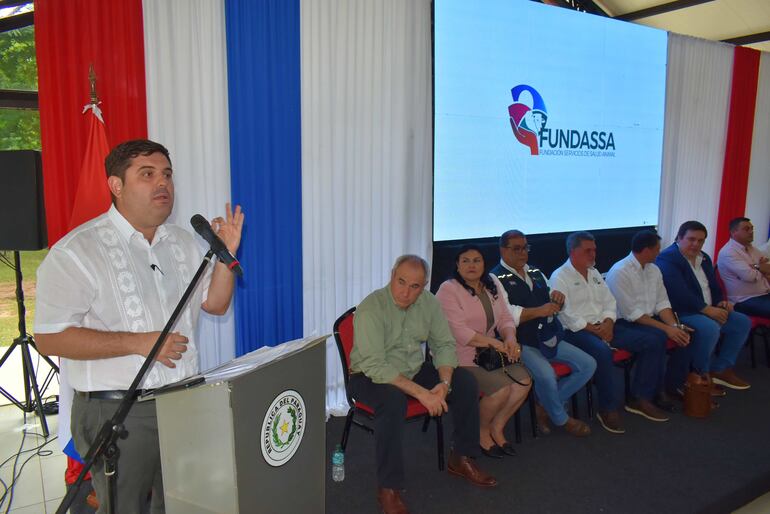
(33, 393)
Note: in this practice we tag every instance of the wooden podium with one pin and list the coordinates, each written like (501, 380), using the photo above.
(248, 436)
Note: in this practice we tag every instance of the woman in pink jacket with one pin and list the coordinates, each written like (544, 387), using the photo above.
(475, 306)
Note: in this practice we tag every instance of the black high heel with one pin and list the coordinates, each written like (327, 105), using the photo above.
(505, 449)
(494, 451)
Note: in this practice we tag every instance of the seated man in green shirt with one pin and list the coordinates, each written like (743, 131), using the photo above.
(387, 364)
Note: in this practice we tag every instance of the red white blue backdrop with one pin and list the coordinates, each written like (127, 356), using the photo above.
(315, 116)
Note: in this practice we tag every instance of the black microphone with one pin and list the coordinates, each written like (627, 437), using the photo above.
(155, 267)
(203, 228)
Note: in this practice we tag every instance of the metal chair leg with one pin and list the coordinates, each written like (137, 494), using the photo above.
(532, 413)
(346, 431)
(575, 411)
(440, 442)
(517, 425)
(425, 423)
(627, 381)
(590, 398)
(751, 340)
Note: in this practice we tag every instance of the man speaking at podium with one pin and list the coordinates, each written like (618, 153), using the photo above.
(104, 293)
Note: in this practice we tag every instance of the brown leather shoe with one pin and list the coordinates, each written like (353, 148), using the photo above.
(611, 422)
(466, 467)
(576, 427)
(543, 421)
(390, 501)
(647, 409)
(728, 378)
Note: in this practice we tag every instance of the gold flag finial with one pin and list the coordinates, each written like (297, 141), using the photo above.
(92, 79)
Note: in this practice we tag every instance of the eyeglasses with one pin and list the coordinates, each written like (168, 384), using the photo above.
(519, 249)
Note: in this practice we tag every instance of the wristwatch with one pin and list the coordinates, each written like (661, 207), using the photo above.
(448, 386)
(755, 266)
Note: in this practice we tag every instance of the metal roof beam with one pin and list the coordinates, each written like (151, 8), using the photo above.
(13, 3)
(748, 39)
(17, 22)
(15, 99)
(577, 5)
(660, 9)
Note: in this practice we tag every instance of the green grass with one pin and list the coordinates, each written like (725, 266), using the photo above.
(29, 264)
(9, 317)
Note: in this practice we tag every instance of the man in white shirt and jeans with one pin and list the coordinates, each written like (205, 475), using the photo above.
(104, 293)
(588, 316)
(637, 284)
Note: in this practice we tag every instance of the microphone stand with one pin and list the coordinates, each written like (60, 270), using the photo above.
(106, 442)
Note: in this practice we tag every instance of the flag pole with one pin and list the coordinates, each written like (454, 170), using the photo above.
(92, 80)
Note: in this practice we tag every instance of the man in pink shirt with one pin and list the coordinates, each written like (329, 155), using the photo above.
(745, 271)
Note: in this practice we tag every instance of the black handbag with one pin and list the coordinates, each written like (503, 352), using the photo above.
(491, 359)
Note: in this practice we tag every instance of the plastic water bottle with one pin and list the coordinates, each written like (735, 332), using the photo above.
(338, 464)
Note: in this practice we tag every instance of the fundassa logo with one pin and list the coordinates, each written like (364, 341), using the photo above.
(528, 117)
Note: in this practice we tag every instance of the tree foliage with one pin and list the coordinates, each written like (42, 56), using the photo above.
(19, 128)
(18, 66)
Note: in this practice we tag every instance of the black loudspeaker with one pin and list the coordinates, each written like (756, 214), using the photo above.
(22, 209)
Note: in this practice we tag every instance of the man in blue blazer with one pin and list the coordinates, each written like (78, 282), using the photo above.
(695, 295)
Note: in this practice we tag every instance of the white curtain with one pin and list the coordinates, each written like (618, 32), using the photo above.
(186, 70)
(697, 104)
(758, 196)
(366, 154)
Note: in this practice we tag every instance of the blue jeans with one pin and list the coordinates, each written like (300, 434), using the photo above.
(551, 392)
(648, 349)
(699, 354)
(757, 306)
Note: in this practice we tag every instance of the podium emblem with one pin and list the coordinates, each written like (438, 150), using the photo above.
(283, 428)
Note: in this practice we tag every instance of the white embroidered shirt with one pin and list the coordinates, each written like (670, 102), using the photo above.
(104, 275)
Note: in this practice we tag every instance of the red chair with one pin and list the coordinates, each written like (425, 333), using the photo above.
(343, 336)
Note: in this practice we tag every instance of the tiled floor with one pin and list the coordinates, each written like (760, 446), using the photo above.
(40, 484)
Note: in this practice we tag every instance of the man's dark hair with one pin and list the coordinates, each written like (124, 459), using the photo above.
(508, 235)
(691, 225)
(644, 239)
(735, 222)
(575, 239)
(119, 159)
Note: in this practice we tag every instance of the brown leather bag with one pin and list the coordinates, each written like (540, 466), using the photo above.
(697, 396)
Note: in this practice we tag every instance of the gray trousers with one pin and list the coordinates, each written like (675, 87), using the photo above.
(138, 467)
